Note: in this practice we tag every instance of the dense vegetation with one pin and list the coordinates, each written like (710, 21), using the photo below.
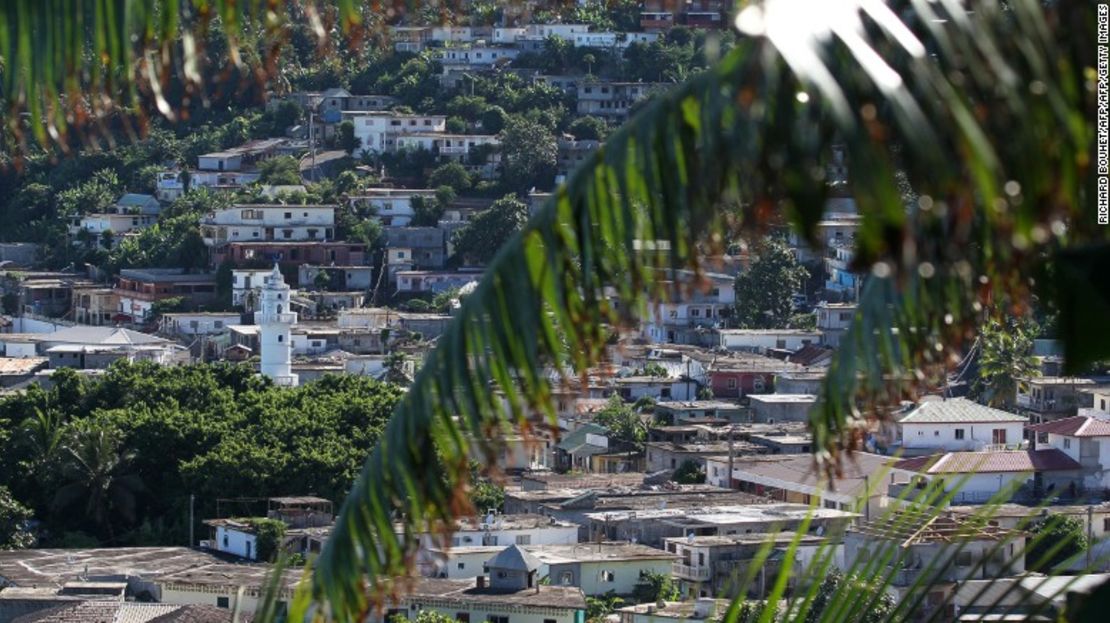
(114, 460)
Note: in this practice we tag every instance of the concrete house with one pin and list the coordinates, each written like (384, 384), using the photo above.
(139, 288)
(653, 526)
(774, 408)
(764, 340)
(497, 529)
(496, 599)
(262, 223)
(598, 568)
(791, 478)
(716, 566)
(1083, 438)
(957, 424)
(378, 131)
(943, 548)
(392, 206)
(978, 477)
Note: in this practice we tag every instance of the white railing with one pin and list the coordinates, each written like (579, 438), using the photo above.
(690, 573)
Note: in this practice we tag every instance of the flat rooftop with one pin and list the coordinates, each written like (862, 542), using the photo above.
(56, 567)
(595, 552)
(726, 515)
(466, 592)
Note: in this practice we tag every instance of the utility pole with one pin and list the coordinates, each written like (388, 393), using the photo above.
(1090, 535)
(192, 523)
(731, 455)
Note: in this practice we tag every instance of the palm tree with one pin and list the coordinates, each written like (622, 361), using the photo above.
(968, 134)
(94, 466)
(1005, 359)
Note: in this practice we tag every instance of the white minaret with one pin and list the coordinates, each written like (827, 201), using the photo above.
(276, 322)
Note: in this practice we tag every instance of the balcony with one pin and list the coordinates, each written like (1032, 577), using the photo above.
(686, 572)
(284, 318)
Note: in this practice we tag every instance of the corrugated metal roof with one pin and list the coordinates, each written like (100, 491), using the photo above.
(1078, 426)
(957, 411)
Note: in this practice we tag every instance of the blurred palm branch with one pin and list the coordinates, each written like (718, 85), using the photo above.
(969, 131)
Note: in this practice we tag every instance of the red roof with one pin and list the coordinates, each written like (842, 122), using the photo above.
(991, 462)
(1078, 426)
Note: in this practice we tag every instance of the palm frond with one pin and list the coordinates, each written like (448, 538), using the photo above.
(911, 93)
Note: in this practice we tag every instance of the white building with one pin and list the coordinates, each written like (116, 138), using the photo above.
(834, 320)
(474, 57)
(762, 340)
(392, 206)
(451, 34)
(596, 39)
(670, 322)
(199, 323)
(378, 131)
(265, 223)
(495, 529)
(508, 35)
(565, 31)
(454, 146)
(1085, 439)
(117, 224)
(276, 322)
(233, 537)
(173, 183)
(433, 281)
(978, 477)
(957, 424)
(246, 286)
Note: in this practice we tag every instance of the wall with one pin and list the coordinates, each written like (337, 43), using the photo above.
(587, 575)
(943, 436)
(238, 543)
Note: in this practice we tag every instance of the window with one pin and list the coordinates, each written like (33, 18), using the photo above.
(780, 343)
(998, 436)
(936, 433)
(608, 576)
(963, 559)
(732, 383)
(462, 565)
(462, 617)
(1067, 443)
(524, 539)
(959, 433)
(288, 215)
(497, 619)
(223, 602)
(281, 338)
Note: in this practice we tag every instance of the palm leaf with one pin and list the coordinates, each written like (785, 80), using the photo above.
(662, 178)
(985, 112)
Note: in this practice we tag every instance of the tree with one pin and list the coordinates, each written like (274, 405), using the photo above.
(493, 119)
(871, 604)
(529, 154)
(484, 234)
(1057, 540)
(451, 174)
(623, 422)
(588, 128)
(764, 292)
(95, 466)
(426, 212)
(1005, 358)
(653, 587)
(13, 523)
(345, 137)
(600, 607)
(689, 473)
(269, 537)
(280, 171)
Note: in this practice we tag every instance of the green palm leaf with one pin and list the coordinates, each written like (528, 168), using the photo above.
(986, 113)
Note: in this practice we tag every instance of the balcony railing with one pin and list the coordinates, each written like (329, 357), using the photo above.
(686, 572)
